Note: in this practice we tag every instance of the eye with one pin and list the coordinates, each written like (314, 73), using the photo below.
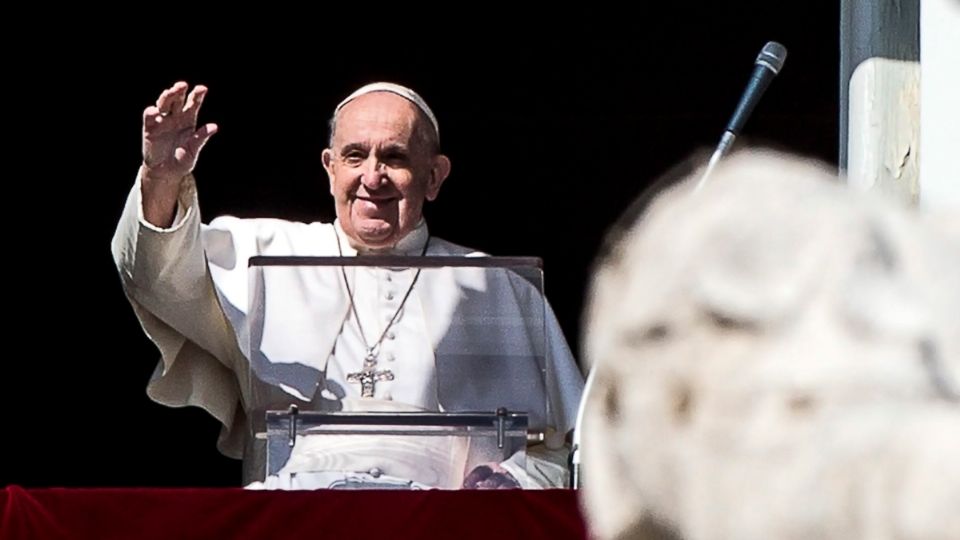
(396, 158)
(353, 158)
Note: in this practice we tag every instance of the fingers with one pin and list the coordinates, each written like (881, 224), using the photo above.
(477, 476)
(490, 476)
(171, 100)
(194, 101)
(200, 138)
(498, 481)
(189, 153)
(151, 117)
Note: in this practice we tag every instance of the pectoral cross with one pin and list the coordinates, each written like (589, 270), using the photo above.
(368, 377)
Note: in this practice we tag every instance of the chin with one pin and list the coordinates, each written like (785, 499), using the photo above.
(377, 239)
(377, 244)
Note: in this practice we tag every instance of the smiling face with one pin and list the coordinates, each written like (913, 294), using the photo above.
(382, 166)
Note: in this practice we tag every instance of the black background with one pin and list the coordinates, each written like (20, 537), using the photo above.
(552, 127)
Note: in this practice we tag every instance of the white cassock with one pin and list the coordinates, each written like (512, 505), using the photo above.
(189, 285)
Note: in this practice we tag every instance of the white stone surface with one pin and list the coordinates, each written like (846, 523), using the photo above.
(777, 356)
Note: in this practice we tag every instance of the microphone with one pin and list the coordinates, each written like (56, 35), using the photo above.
(769, 62)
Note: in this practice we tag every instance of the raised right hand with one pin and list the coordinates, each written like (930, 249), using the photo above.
(171, 144)
(171, 140)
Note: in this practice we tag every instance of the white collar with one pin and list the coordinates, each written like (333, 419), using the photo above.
(411, 244)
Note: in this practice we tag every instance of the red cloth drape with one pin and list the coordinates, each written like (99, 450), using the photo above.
(145, 514)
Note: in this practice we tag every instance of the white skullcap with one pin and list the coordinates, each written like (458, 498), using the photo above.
(401, 91)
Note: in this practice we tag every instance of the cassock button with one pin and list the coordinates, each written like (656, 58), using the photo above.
(391, 335)
(391, 357)
(390, 295)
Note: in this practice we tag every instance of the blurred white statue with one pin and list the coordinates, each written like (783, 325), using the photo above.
(776, 356)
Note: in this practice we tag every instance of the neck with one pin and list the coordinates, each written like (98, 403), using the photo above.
(412, 243)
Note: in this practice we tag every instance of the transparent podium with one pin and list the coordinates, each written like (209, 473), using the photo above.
(396, 372)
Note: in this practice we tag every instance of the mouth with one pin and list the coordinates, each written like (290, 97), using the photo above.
(375, 200)
(374, 206)
(374, 203)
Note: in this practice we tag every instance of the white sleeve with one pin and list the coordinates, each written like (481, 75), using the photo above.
(166, 279)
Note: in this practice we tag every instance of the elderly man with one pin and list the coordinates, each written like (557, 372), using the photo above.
(188, 284)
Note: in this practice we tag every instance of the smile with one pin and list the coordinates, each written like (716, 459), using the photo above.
(375, 200)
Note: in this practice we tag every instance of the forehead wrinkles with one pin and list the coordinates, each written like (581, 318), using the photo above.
(375, 121)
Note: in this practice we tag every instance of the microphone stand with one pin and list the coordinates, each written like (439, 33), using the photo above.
(726, 142)
(769, 62)
(574, 461)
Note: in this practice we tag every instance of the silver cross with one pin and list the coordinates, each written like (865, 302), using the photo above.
(368, 377)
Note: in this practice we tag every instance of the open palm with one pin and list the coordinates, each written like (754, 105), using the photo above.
(171, 139)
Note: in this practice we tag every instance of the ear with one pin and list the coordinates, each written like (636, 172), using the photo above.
(327, 158)
(438, 173)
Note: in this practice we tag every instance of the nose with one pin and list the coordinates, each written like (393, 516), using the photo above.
(374, 173)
